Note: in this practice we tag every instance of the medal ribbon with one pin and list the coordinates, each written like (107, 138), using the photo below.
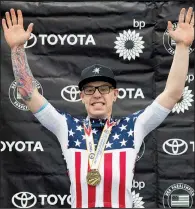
(95, 156)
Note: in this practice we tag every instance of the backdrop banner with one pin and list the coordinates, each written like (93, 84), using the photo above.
(68, 37)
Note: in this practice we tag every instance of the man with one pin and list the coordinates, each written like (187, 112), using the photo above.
(100, 176)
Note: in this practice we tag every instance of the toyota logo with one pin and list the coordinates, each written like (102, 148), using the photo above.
(175, 146)
(71, 93)
(32, 40)
(24, 200)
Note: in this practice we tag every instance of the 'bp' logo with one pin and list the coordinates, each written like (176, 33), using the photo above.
(129, 45)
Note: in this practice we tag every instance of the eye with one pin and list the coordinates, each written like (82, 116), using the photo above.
(104, 88)
(89, 89)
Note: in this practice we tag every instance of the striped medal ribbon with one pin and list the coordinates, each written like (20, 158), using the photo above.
(94, 157)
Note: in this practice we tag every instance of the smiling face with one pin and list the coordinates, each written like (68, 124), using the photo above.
(99, 105)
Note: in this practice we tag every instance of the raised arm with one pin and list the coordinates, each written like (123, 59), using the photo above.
(183, 36)
(16, 36)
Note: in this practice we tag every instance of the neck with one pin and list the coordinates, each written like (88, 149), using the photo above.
(99, 116)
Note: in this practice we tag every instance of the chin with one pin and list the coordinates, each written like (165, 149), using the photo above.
(98, 114)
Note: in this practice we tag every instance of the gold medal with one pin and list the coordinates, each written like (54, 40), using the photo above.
(93, 177)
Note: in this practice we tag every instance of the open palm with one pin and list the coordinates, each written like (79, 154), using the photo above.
(184, 33)
(14, 32)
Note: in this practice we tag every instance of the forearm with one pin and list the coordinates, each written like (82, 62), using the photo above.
(178, 72)
(22, 73)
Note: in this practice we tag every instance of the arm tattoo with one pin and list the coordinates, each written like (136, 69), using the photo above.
(22, 73)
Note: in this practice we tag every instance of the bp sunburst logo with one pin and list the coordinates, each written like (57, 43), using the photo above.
(185, 101)
(137, 200)
(129, 44)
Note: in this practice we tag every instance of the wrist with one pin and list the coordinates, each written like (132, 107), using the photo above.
(182, 47)
(181, 44)
(13, 48)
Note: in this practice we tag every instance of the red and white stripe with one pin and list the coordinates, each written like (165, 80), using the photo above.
(116, 170)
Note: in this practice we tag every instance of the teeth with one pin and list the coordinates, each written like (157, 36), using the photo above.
(97, 103)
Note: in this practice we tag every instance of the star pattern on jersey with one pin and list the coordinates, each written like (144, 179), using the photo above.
(123, 143)
(108, 145)
(71, 133)
(83, 137)
(121, 136)
(123, 127)
(76, 120)
(79, 128)
(134, 118)
(94, 131)
(127, 119)
(116, 136)
(101, 123)
(130, 133)
(77, 143)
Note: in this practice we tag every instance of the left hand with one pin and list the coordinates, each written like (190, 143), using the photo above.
(184, 33)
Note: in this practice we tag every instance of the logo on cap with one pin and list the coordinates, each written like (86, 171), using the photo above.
(96, 70)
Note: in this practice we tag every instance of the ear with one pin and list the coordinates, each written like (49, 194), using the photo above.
(115, 94)
(82, 97)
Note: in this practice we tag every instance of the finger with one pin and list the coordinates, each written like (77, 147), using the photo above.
(20, 17)
(30, 28)
(170, 26)
(192, 20)
(182, 15)
(189, 15)
(13, 15)
(9, 23)
(4, 25)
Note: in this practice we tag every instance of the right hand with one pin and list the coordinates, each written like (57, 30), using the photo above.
(14, 32)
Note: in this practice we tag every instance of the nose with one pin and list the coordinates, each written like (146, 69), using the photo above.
(97, 93)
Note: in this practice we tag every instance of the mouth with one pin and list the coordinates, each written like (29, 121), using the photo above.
(97, 103)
